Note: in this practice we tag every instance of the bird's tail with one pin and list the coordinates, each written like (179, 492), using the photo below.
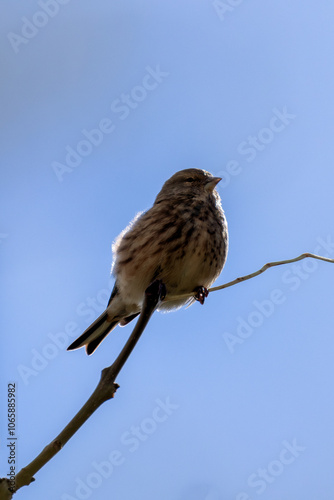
(95, 333)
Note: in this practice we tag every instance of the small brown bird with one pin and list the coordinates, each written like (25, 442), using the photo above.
(182, 241)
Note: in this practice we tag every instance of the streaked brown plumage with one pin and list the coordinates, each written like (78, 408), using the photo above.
(182, 240)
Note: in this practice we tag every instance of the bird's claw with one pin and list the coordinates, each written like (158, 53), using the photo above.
(201, 293)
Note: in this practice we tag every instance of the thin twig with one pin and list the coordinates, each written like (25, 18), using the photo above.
(105, 390)
(256, 273)
(267, 266)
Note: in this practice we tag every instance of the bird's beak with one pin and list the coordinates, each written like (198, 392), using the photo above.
(212, 183)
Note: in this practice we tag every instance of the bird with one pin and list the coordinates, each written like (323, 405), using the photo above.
(182, 240)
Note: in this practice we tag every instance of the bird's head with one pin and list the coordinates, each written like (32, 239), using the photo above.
(189, 183)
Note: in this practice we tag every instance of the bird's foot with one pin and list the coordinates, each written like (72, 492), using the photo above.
(201, 293)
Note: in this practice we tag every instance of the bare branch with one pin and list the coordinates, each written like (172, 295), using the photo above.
(267, 266)
(107, 387)
(105, 390)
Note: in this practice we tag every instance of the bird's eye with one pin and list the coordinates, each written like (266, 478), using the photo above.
(190, 179)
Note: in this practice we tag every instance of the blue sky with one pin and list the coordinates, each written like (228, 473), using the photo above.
(101, 103)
